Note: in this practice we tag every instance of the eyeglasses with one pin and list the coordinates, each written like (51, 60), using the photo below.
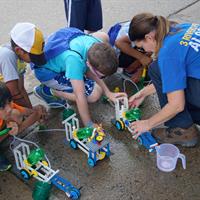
(98, 74)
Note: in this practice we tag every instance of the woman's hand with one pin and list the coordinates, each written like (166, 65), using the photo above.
(14, 126)
(112, 96)
(139, 127)
(137, 99)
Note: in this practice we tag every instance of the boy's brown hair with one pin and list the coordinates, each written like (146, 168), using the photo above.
(103, 58)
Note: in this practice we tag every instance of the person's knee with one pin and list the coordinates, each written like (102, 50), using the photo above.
(96, 94)
(101, 35)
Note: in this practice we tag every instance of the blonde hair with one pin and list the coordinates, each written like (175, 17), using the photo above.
(144, 23)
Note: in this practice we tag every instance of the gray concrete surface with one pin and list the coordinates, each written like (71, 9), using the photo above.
(130, 172)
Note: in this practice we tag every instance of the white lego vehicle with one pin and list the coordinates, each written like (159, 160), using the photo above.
(92, 141)
(34, 164)
(124, 116)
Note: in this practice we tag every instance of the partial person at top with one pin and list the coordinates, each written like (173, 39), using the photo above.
(132, 60)
(85, 15)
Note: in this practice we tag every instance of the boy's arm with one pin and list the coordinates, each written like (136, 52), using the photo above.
(19, 96)
(81, 101)
(16, 121)
(30, 120)
(33, 115)
(24, 92)
(124, 44)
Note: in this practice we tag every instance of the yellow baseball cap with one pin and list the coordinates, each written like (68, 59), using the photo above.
(28, 37)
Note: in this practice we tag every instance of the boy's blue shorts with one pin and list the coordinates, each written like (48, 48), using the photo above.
(89, 87)
(64, 84)
(84, 14)
(58, 81)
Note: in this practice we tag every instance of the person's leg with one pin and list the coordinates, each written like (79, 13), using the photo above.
(92, 90)
(101, 35)
(181, 129)
(194, 112)
(93, 97)
(126, 61)
(96, 94)
(183, 119)
(4, 163)
(192, 95)
(64, 95)
(94, 16)
(131, 67)
(76, 13)
(66, 6)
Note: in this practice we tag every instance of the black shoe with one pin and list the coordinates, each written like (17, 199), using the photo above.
(4, 164)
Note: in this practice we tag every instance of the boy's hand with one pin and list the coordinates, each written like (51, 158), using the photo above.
(41, 111)
(14, 126)
(113, 95)
(136, 99)
(97, 125)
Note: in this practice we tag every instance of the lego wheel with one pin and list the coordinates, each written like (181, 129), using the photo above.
(91, 162)
(99, 138)
(139, 140)
(120, 125)
(77, 191)
(25, 174)
(73, 144)
(74, 194)
(102, 155)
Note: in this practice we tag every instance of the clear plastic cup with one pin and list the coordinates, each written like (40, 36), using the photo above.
(167, 156)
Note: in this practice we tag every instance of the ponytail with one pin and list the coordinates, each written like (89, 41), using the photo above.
(162, 29)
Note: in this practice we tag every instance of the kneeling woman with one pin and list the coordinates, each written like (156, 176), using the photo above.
(175, 76)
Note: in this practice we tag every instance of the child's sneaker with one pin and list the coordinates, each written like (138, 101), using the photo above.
(43, 92)
(4, 164)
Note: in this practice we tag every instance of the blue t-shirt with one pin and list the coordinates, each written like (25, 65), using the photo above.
(73, 62)
(179, 57)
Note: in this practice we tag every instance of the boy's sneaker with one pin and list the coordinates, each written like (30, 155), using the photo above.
(184, 137)
(4, 164)
(44, 93)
